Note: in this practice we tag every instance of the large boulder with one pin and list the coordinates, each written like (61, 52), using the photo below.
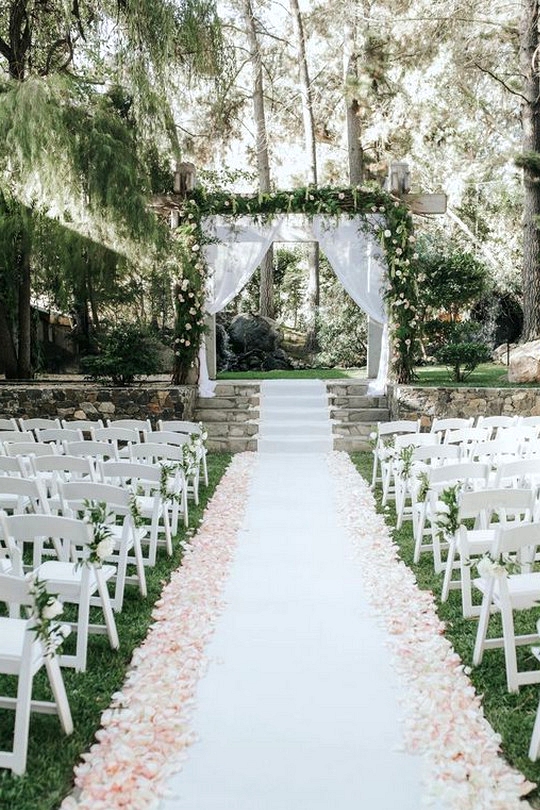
(250, 332)
(525, 363)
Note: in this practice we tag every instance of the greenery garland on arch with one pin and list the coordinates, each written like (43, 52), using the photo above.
(394, 232)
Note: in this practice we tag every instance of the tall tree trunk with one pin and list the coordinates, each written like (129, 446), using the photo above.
(25, 310)
(530, 112)
(354, 130)
(8, 352)
(266, 302)
(311, 152)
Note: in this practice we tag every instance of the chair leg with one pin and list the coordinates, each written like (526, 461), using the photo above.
(481, 630)
(374, 470)
(59, 691)
(420, 525)
(22, 719)
(466, 590)
(139, 564)
(534, 747)
(510, 656)
(448, 571)
(107, 609)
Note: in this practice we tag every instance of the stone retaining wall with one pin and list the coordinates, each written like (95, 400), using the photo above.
(77, 401)
(412, 402)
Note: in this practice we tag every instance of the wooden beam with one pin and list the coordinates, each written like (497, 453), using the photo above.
(426, 203)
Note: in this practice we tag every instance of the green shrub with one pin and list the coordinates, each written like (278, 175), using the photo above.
(125, 353)
(464, 351)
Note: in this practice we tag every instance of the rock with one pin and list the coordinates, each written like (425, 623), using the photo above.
(500, 354)
(525, 363)
(249, 333)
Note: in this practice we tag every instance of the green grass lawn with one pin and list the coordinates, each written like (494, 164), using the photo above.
(52, 755)
(486, 375)
(512, 716)
(303, 374)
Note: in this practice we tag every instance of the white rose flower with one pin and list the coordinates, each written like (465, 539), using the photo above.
(52, 609)
(442, 508)
(489, 568)
(387, 233)
(105, 548)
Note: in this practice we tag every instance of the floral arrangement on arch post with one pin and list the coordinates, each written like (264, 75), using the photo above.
(189, 297)
(393, 227)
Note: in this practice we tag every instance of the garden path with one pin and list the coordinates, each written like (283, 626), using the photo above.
(299, 708)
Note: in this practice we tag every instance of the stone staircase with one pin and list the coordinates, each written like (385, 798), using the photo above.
(354, 414)
(231, 416)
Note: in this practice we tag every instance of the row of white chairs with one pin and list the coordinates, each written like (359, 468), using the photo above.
(498, 533)
(42, 498)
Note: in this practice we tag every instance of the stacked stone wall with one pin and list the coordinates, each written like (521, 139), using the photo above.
(413, 402)
(97, 402)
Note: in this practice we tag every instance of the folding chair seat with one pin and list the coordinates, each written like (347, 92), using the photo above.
(69, 576)
(145, 481)
(509, 507)
(121, 525)
(386, 431)
(505, 593)
(23, 654)
(191, 428)
(471, 475)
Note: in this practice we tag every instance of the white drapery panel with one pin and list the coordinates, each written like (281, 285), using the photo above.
(238, 246)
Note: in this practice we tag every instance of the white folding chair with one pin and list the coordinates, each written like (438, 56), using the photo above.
(22, 654)
(471, 475)
(69, 576)
(191, 429)
(143, 426)
(53, 470)
(509, 507)
(121, 525)
(20, 495)
(26, 451)
(17, 436)
(168, 455)
(391, 466)
(145, 481)
(496, 423)
(443, 424)
(507, 592)
(385, 432)
(122, 437)
(423, 458)
(467, 438)
(84, 425)
(518, 473)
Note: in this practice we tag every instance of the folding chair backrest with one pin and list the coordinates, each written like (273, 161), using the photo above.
(168, 437)
(153, 452)
(514, 539)
(518, 473)
(473, 473)
(437, 454)
(467, 435)
(398, 426)
(11, 465)
(142, 425)
(86, 425)
(59, 435)
(18, 436)
(501, 421)
(127, 471)
(179, 426)
(66, 467)
(441, 425)
(414, 440)
(64, 532)
(8, 423)
(93, 449)
(39, 423)
(28, 490)
(504, 503)
(27, 450)
(74, 493)
(116, 434)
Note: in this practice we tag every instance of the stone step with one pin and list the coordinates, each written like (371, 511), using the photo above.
(339, 401)
(351, 444)
(222, 429)
(372, 415)
(230, 415)
(347, 388)
(226, 403)
(232, 444)
(353, 428)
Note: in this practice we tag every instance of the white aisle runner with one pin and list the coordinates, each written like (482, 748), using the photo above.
(299, 707)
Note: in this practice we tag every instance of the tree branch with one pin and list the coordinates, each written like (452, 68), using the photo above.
(502, 82)
(5, 50)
